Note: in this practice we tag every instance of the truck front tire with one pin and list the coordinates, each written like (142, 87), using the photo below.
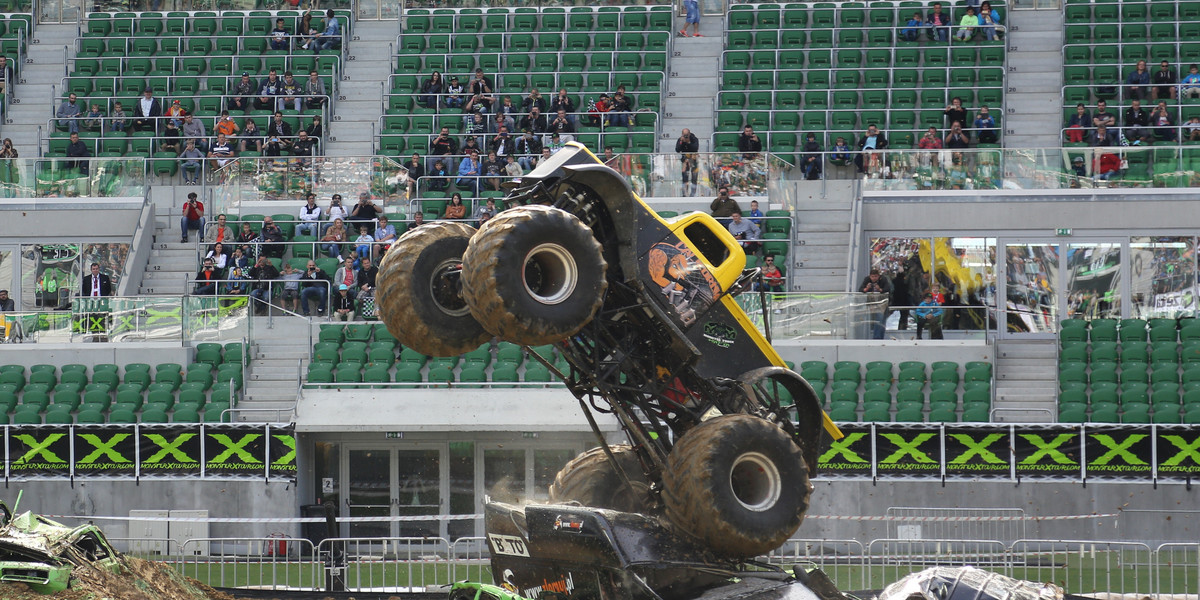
(738, 483)
(418, 292)
(591, 480)
(534, 275)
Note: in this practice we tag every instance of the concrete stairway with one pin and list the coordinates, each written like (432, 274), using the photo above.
(278, 347)
(360, 93)
(171, 263)
(1033, 114)
(821, 235)
(39, 83)
(1026, 381)
(692, 84)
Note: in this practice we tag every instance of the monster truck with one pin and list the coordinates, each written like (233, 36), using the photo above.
(723, 437)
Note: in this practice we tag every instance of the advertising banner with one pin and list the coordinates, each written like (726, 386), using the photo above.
(908, 450)
(214, 451)
(850, 455)
(1178, 453)
(976, 453)
(1119, 452)
(1052, 452)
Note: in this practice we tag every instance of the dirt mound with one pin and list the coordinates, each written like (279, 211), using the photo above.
(139, 580)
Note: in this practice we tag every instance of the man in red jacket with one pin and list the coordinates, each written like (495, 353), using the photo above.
(193, 217)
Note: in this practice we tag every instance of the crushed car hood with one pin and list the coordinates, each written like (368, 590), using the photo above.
(968, 583)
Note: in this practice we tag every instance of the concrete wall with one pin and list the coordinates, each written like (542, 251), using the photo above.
(151, 353)
(61, 220)
(896, 351)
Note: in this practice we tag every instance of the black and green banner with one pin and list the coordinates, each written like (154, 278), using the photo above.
(212, 451)
(1012, 452)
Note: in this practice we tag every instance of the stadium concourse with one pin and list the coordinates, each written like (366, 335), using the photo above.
(1031, 320)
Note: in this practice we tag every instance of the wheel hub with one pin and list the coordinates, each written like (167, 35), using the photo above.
(550, 273)
(446, 287)
(755, 482)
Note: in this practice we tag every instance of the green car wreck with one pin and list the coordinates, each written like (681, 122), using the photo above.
(42, 553)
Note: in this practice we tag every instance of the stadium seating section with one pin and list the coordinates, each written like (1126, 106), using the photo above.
(131, 393)
(195, 57)
(835, 68)
(368, 353)
(1103, 43)
(910, 392)
(1129, 371)
(586, 50)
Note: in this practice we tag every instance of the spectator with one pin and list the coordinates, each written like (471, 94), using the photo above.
(221, 234)
(988, 20)
(272, 238)
(755, 216)
(1164, 82)
(878, 289)
(289, 92)
(442, 147)
(1164, 125)
(563, 102)
(746, 232)
(168, 141)
(840, 155)
(545, 155)
(193, 129)
(416, 169)
(243, 93)
(439, 177)
(484, 212)
(985, 126)
(226, 125)
(193, 217)
(347, 275)
(431, 90)
(279, 36)
(513, 169)
(622, 106)
(331, 37)
(221, 152)
(476, 127)
(454, 93)
(335, 236)
(251, 139)
(1136, 121)
(97, 284)
(688, 148)
(505, 115)
(723, 206)
(532, 101)
(869, 146)
(385, 235)
(6, 303)
(68, 113)
(175, 113)
(503, 144)
(268, 90)
(1100, 137)
(535, 121)
(275, 146)
(772, 277)
(418, 219)
(6, 73)
(930, 140)
(336, 210)
(239, 279)
(492, 169)
(1078, 124)
(691, 17)
(314, 287)
(116, 121)
(1078, 167)
(278, 127)
(481, 92)
(263, 273)
(291, 287)
(94, 119)
(598, 111)
(249, 241)
(528, 148)
(1107, 165)
(343, 304)
(1137, 84)
(939, 24)
(749, 144)
(967, 25)
(310, 216)
(1102, 116)
(1192, 128)
(929, 316)
(366, 278)
(306, 31)
(811, 161)
(912, 30)
(364, 213)
(206, 279)
(955, 112)
(455, 209)
(314, 131)
(304, 147)
(957, 139)
(562, 125)
(1190, 87)
(192, 163)
(78, 149)
(314, 88)
(147, 111)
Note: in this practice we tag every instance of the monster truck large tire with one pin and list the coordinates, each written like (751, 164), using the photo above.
(534, 275)
(417, 300)
(737, 483)
(591, 480)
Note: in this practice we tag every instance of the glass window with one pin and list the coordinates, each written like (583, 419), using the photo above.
(462, 488)
(1032, 282)
(1162, 276)
(504, 475)
(1093, 281)
(707, 243)
(965, 269)
(547, 464)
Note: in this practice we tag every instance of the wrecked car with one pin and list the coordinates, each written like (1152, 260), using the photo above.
(42, 553)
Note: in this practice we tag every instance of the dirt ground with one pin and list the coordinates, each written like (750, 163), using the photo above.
(143, 580)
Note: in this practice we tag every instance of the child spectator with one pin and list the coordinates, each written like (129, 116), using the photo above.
(94, 119)
(967, 25)
(117, 121)
(912, 30)
(1190, 87)
(363, 242)
(985, 126)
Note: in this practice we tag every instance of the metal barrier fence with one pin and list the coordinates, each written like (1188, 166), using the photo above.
(410, 564)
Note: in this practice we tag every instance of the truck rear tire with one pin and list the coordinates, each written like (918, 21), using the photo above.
(738, 483)
(534, 275)
(419, 296)
(591, 480)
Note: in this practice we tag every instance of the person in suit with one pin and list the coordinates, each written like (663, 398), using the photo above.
(96, 284)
